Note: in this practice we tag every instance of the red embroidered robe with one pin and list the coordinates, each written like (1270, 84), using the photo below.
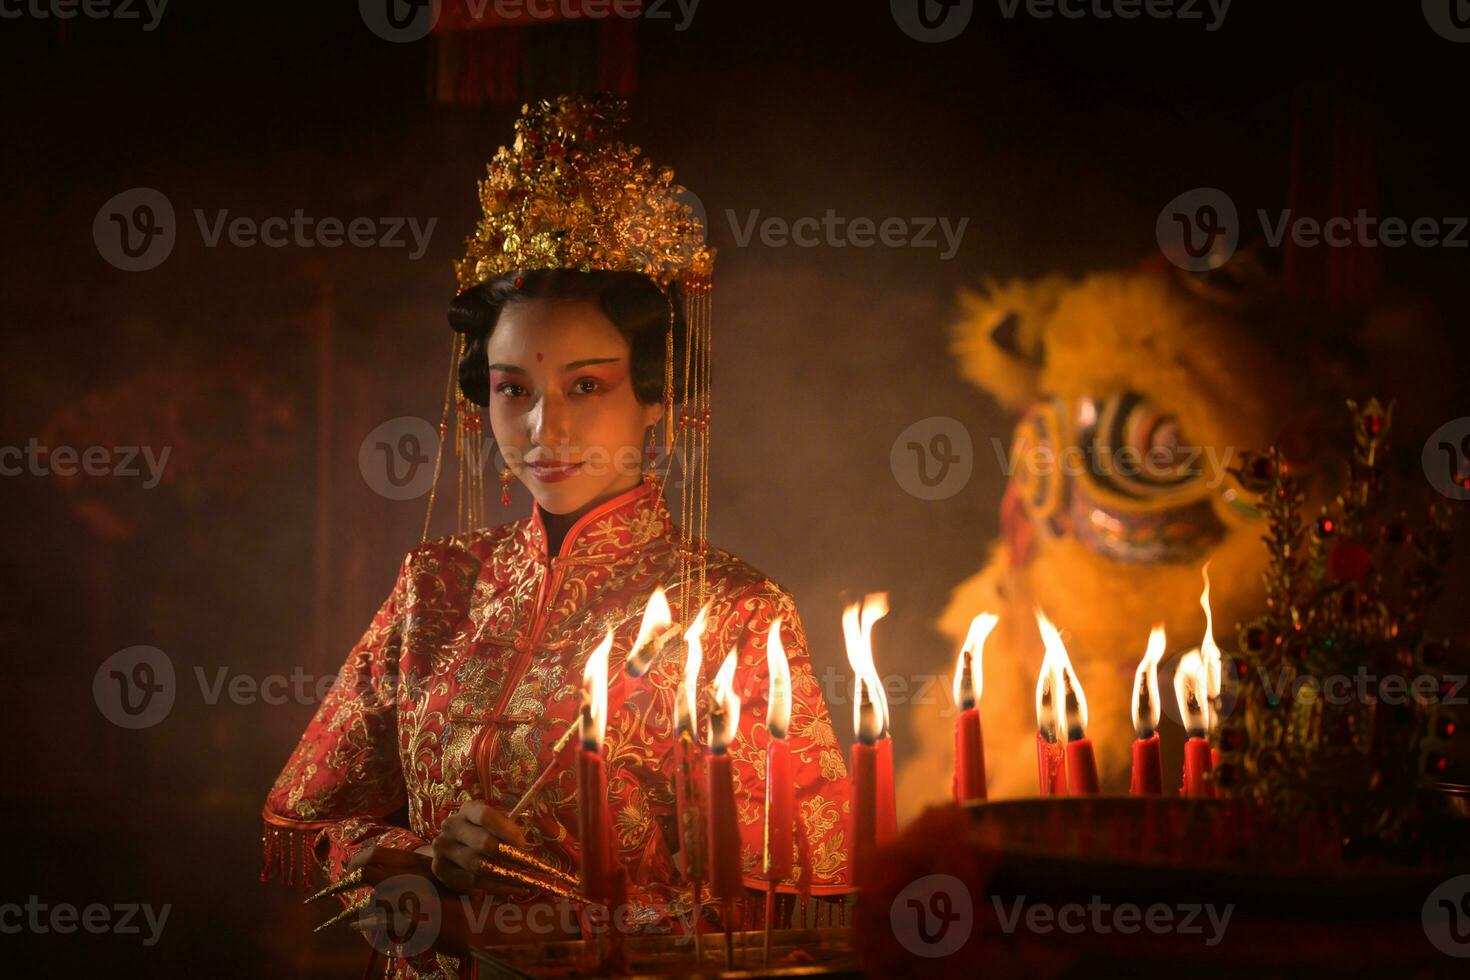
(472, 668)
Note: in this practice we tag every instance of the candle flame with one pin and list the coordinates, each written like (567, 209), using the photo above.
(686, 699)
(967, 673)
(778, 699)
(857, 634)
(654, 632)
(1189, 689)
(1057, 676)
(724, 706)
(1146, 685)
(1210, 651)
(594, 695)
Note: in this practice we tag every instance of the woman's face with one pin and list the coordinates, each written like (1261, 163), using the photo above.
(562, 406)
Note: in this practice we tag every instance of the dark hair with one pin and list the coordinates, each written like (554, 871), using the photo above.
(634, 304)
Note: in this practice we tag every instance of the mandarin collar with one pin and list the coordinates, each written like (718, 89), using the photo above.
(609, 530)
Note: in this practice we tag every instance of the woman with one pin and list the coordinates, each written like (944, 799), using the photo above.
(447, 709)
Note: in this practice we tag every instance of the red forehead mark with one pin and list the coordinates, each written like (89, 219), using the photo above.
(538, 356)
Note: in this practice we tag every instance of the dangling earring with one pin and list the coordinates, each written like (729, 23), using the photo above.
(652, 448)
(505, 487)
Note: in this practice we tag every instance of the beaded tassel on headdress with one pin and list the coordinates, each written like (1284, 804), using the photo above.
(565, 195)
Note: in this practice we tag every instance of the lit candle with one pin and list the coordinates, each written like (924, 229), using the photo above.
(655, 634)
(1148, 772)
(1081, 763)
(689, 759)
(780, 771)
(969, 744)
(1210, 651)
(780, 836)
(724, 830)
(1051, 762)
(1189, 688)
(593, 823)
(867, 718)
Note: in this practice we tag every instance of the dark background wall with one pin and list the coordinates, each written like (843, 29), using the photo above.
(264, 551)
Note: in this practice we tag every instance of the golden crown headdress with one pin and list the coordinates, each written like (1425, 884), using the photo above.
(567, 195)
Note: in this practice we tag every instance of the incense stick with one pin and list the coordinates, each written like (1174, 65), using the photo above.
(541, 780)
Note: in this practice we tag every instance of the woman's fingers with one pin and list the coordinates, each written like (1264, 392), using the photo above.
(455, 863)
(481, 814)
(504, 827)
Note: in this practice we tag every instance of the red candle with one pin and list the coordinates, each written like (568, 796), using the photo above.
(780, 810)
(592, 825)
(1148, 772)
(1051, 767)
(1051, 758)
(1198, 768)
(724, 829)
(1190, 687)
(1081, 767)
(780, 825)
(969, 745)
(870, 718)
(887, 805)
(969, 757)
(1148, 767)
(864, 779)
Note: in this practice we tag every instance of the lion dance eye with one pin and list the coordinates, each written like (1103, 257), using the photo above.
(1138, 451)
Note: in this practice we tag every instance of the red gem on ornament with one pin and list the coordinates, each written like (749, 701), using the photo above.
(1374, 424)
(1349, 561)
(1325, 526)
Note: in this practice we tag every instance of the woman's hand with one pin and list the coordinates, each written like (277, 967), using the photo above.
(466, 838)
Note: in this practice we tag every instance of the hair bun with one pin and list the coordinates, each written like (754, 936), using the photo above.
(472, 311)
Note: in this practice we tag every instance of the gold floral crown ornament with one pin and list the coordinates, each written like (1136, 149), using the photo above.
(567, 195)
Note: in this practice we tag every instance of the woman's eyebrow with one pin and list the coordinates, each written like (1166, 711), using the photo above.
(571, 366)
